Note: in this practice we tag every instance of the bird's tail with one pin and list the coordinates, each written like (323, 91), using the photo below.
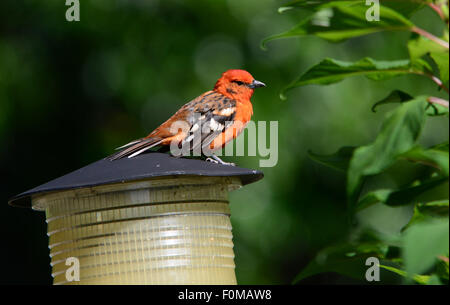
(135, 148)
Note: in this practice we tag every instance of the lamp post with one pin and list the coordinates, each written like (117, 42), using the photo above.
(152, 219)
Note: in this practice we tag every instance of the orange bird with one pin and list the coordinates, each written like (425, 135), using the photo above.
(208, 122)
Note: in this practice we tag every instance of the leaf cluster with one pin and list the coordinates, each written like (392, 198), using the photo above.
(420, 252)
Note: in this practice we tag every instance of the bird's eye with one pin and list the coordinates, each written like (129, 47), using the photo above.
(238, 82)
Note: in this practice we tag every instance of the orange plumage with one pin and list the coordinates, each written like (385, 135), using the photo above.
(210, 120)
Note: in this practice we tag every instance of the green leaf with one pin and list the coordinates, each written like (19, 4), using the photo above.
(434, 109)
(404, 7)
(353, 267)
(420, 46)
(345, 259)
(427, 211)
(404, 196)
(339, 20)
(434, 280)
(412, 194)
(304, 4)
(398, 135)
(373, 197)
(433, 157)
(420, 279)
(348, 258)
(423, 243)
(339, 160)
(421, 65)
(396, 96)
(441, 60)
(435, 208)
(330, 71)
(444, 146)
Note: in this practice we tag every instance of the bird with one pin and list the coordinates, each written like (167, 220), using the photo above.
(207, 122)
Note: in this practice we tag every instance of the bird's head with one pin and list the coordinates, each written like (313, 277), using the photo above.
(237, 84)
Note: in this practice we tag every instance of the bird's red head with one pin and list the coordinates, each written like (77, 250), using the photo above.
(237, 84)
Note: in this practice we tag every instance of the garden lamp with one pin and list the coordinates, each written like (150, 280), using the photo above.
(151, 219)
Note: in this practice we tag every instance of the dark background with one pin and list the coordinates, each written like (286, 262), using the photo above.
(70, 92)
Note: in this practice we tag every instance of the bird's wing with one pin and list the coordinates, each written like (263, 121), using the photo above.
(208, 117)
(203, 119)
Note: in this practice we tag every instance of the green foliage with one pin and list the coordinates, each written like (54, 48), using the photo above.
(398, 197)
(423, 243)
(339, 20)
(396, 96)
(405, 7)
(347, 258)
(338, 262)
(330, 71)
(420, 46)
(428, 212)
(420, 279)
(433, 157)
(441, 60)
(398, 134)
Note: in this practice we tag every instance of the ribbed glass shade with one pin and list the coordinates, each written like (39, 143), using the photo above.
(162, 231)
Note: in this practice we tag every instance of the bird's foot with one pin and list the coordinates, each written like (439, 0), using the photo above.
(217, 160)
(212, 160)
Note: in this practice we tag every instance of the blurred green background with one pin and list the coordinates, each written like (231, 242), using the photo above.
(70, 92)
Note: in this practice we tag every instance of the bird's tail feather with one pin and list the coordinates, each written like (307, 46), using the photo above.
(135, 148)
(129, 144)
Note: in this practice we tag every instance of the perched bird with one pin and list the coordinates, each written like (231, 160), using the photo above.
(208, 122)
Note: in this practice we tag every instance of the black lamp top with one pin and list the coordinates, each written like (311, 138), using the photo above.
(149, 165)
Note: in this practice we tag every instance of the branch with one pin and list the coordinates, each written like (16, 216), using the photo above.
(443, 258)
(437, 81)
(437, 100)
(437, 9)
(430, 36)
(433, 78)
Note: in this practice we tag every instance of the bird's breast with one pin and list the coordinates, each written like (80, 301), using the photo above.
(244, 112)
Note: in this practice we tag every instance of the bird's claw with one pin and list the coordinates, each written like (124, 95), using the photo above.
(212, 160)
(220, 162)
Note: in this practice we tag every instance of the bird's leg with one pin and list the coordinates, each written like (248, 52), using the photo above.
(217, 160)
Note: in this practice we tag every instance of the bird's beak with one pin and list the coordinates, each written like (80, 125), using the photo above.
(256, 84)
